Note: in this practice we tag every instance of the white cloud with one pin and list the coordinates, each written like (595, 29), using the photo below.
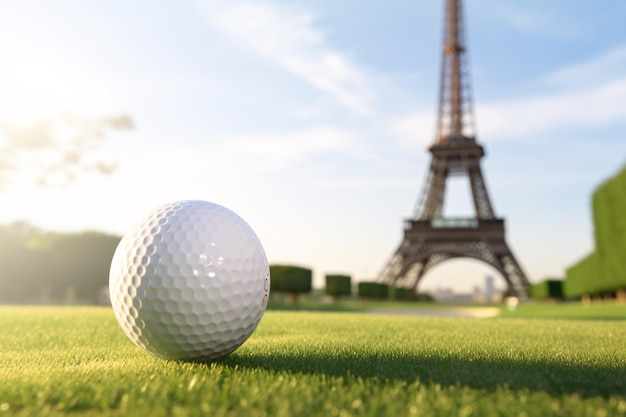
(290, 39)
(233, 158)
(42, 82)
(585, 107)
(520, 117)
(590, 93)
(597, 70)
(415, 129)
(56, 150)
(277, 151)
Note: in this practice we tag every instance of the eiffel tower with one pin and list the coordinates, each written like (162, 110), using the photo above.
(429, 237)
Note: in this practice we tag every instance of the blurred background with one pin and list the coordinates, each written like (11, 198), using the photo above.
(309, 119)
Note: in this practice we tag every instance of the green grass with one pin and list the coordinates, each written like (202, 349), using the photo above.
(594, 311)
(358, 305)
(77, 361)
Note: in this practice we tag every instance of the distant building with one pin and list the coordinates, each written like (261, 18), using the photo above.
(447, 295)
(490, 289)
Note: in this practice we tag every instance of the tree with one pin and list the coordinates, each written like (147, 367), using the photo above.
(17, 263)
(338, 285)
(290, 279)
(82, 261)
(400, 293)
(373, 290)
(42, 267)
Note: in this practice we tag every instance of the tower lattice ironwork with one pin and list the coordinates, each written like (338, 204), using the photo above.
(429, 237)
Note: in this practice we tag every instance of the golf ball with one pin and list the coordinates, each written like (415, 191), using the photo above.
(190, 281)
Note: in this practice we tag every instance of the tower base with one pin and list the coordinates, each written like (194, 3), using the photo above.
(426, 243)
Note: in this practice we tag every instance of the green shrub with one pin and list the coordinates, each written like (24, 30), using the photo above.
(425, 297)
(582, 278)
(609, 215)
(400, 293)
(290, 279)
(549, 288)
(604, 270)
(338, 285)
(373, 290)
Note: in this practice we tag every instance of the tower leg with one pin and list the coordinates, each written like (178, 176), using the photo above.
(482, 204)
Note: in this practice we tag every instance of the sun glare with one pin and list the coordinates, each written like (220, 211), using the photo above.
(37, 83)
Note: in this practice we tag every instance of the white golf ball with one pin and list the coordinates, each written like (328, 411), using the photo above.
(190, 281)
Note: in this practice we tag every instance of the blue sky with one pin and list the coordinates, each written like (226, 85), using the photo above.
(310, 119)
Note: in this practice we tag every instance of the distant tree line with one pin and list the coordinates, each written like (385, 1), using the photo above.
(603, 272)
(45, 267)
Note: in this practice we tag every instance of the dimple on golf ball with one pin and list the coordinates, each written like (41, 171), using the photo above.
(190, 281)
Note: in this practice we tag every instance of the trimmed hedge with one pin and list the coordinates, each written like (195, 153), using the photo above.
(338, 285)
(400, 293)
(609, 215)
(582, 278)
(374, 290)
(604, 270)
(549, 288)
(290, 279)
